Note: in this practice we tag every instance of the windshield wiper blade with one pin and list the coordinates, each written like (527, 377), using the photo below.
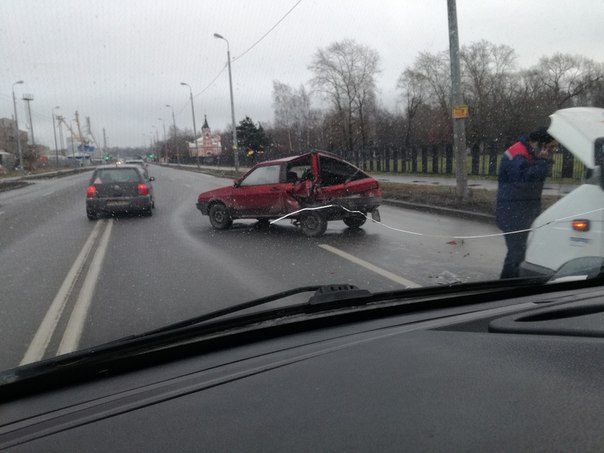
(332, 295)
(234, 309)
(323, 294)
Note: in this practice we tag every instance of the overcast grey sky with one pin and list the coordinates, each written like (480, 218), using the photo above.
(120, 62)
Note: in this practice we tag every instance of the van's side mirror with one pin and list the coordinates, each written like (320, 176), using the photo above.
(599, 158)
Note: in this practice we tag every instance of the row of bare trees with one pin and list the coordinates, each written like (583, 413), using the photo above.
(339, 110)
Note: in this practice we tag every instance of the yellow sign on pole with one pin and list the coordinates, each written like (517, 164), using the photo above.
(460, 111)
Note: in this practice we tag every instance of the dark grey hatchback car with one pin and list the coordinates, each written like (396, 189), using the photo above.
(119, 189)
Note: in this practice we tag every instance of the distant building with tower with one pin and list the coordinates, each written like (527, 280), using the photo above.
(209, 144)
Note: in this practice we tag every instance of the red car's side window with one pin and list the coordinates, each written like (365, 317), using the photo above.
(268, 174)
(299, 169)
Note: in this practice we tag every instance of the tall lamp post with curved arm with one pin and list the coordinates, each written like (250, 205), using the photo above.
(165, 143)
(156, 156)
(174, 124)
(219, 36)
(194, 125)
(54, 131)
(19, 82)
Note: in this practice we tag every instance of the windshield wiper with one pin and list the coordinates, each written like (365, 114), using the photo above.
(323, 294)
(327, 297)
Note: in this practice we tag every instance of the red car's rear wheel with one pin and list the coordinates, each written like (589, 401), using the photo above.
(313, 224)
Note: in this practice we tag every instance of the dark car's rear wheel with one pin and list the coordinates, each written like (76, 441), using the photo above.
(220, 217)
(92, 215)
(313, 224)
(355, 221)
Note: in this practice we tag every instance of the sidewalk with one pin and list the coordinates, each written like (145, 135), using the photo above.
(550, 188)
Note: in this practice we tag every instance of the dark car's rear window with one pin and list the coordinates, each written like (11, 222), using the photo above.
(116, 175)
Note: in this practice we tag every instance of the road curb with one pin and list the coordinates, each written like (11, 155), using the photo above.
(479, 216)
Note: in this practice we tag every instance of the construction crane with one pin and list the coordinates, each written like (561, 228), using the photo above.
(84, 142)
(89, 128)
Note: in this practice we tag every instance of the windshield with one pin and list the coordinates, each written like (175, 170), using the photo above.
(400, 144)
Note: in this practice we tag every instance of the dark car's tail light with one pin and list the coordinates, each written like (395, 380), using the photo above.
(143, 189)
(91, 192)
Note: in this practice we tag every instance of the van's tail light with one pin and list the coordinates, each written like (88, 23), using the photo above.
(91, 192)
(143, 189)
(580, 225)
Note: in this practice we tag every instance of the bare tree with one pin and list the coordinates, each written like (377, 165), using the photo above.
(434, 71)
(413, 87)
(562, 79)
(294, 115)
(488, 80)
(283, 106)
(344, 73)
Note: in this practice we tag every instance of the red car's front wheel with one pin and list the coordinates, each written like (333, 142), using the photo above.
(220, 217)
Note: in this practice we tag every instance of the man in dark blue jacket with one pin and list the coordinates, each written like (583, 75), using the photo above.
(522, 172)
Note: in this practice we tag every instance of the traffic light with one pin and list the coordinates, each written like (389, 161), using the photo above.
(106, 157)
(150, 156)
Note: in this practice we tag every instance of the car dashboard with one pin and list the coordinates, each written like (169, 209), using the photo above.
(519, 374)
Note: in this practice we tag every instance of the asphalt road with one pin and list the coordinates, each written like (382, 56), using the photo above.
(68, 283)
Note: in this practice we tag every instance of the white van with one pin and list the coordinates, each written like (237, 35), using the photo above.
(567, 238)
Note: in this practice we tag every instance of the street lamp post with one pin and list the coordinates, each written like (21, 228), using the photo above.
(28, 98)
(219, 36)
(165, 144)
(194, 125)
(61, 140)
(156, 138)
(54, 130)
(17, 126)
(174, 124)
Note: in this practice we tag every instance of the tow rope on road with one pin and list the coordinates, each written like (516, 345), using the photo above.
(439, 236)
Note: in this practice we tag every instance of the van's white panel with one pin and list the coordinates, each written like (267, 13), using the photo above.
(553, 242)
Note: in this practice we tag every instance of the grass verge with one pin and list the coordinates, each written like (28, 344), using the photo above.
(479, 200)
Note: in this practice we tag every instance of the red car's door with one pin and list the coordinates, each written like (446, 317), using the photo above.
(260, 192)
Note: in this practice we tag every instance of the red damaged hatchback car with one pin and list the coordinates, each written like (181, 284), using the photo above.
(314, 188)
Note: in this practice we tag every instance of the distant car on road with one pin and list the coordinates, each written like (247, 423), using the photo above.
(119, 188)
(141, 163)
(314, 188)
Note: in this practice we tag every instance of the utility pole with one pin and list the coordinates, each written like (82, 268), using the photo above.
(459, 122)
(104, 143)
(73, 149)
(54, 131)
(61, 140)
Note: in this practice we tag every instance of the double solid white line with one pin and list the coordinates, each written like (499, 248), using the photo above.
(77, 319)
